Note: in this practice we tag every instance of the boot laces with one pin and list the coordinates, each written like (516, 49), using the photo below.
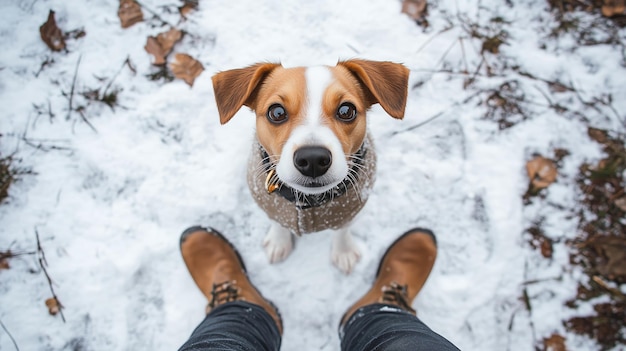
(223, 292)
(396, 294)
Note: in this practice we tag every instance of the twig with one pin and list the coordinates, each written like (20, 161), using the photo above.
(458, 73)
(463, 52)
(549, 82)
(9, 334)
(443, 57)
(608, 104)
(43, 263)
(432, 38)
(154, 14)
(126, 62)
(615, 292)
(84, 118)
(353, 49)
(9, 254)
(48, 61)
(550, 103)
(593, 103)
(41, 146)
(435, 116)
(480, 64)
(71, 98)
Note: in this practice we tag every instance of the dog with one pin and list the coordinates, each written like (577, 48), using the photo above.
(313, 162)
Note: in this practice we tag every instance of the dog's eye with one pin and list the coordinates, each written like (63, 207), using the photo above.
(346, 112)
(276, 114)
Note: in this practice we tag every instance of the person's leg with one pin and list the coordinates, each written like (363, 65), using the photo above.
(383, 319)
(239, 317)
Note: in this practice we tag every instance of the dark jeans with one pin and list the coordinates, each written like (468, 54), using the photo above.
(244, 326)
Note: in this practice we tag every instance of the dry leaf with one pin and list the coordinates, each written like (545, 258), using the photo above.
(53, 306)
(557, 87)
(554, 343)
(153, 47)
(599, 135)
(4, 259)
(162, 45)
(186, 67)
(492, 45)
(129, 13)
(188, 6)
(541, 171)
(51, 34)
(613, 249)
(612, 8)
(416, 9)
(621, 203)
(546, 248)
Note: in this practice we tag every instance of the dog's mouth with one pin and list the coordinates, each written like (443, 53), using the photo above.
(313, 186)
(304, 185)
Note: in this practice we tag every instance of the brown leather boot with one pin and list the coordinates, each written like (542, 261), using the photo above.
(219, 272)
(402, 272)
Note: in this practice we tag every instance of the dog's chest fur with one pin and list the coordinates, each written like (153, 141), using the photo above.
(302, 217)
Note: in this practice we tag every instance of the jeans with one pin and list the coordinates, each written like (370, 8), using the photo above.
(244, 326)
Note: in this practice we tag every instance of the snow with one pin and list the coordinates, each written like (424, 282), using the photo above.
(110, 205)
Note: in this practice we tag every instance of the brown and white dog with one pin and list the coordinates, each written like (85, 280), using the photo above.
(313, 163)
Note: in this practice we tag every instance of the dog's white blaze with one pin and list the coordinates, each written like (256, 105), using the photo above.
(317, 81)
(312, 131)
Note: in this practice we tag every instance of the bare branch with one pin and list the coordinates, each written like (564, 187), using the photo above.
(9, 334)
(43, 263)
(71, 98)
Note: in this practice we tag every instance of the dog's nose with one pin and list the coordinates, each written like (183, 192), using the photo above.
(312, 161)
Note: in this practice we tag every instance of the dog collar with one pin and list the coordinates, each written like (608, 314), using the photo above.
(304, 201)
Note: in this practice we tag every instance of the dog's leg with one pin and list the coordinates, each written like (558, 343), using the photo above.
(345, 254)
(278, 243)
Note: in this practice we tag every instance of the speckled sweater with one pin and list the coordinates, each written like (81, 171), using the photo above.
(332, 214)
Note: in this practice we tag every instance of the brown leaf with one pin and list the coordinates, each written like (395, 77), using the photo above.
(613, 249)
(546, 248)
(599, 135)
(188, 6)
(621, 203)
(51, 34)
(540, 241)
(4, 259)
(416, 9)
(541, 171)
(129, 13)
(557, 87)
(612, 8)
(186, 67)
(53, 306)
(492, 45)
(162, 45)
(153, 47)
(554, 343)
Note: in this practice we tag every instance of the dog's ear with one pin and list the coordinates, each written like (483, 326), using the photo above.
(238, 87)
(386, 82)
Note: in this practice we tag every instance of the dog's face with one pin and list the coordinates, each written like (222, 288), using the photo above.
(312, 120)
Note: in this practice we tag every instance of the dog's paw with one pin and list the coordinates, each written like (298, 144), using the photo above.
(345, 261)
(278, 243)
(345, 254)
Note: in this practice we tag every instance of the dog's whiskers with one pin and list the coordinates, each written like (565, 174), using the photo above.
(359, 176)
(352, 178)
(265, 165)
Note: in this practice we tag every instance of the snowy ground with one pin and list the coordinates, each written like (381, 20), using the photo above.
(109, 205)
